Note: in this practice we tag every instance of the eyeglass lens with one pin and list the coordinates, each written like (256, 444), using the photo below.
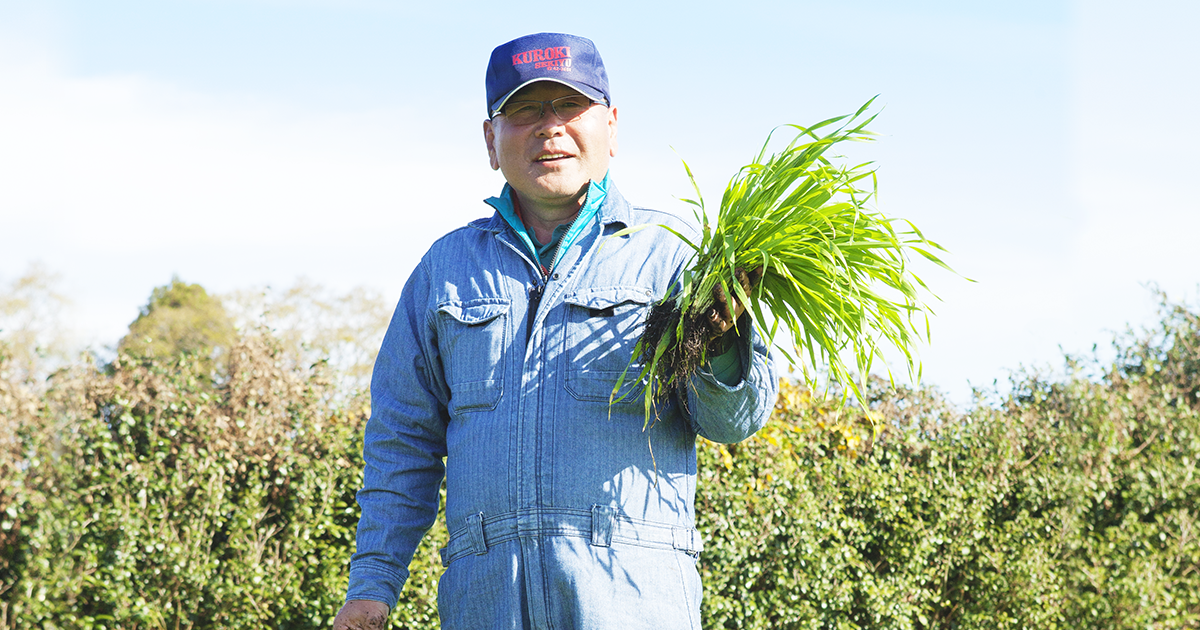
(567, 108)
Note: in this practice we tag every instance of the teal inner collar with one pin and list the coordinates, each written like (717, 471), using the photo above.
(504, 204)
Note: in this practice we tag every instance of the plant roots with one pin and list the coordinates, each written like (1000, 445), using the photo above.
(686, 350)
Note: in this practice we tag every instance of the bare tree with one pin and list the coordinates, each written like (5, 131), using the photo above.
(33, 334)
(318, 324)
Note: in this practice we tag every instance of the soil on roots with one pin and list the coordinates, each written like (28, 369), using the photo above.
(684, 353)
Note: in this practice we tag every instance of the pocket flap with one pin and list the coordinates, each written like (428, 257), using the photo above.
(475, 312)
(607, 297)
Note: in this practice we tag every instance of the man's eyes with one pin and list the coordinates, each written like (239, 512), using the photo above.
(522, 108)
(567, 108)
(572, 105)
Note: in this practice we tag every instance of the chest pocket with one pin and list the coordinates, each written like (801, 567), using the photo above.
(472, 336)
(603, 326)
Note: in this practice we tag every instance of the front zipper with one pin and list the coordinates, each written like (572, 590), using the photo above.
(538, 290)
(535, 298)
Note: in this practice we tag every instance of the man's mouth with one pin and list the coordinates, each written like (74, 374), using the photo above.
(551, 156)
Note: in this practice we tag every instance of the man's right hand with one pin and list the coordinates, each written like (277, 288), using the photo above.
(361, 614)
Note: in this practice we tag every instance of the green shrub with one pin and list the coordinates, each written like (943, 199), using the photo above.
(149, 497)
(1069, 504)
(152, 495)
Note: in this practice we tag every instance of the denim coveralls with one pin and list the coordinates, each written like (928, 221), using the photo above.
(562, 511)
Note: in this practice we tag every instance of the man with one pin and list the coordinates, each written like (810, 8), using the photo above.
(501, 358)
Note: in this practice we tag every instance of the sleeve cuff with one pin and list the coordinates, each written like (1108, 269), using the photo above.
(376, 586)
(726, 367)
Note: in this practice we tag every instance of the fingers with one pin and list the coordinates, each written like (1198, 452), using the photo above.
(743, 279)
(755, 275)
(721, 316)
(748, 279)
(360, 614)
(719, 319)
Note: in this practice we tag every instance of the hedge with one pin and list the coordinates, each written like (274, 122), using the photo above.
(151, 494)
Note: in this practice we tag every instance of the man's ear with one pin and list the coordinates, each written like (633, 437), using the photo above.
(612, 132)
(489, 138)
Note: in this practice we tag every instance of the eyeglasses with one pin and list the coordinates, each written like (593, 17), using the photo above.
(567, 108)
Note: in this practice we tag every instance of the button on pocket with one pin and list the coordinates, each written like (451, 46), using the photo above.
(471, 338)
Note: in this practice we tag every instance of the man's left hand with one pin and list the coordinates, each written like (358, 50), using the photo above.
(725, 311)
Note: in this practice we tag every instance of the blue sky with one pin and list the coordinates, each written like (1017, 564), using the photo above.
(1048, 145)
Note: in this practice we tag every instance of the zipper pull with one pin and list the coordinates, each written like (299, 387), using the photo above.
(535, 298)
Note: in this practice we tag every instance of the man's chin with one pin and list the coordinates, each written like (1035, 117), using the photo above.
(559, 190)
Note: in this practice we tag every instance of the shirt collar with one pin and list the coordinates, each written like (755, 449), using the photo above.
(506, 206)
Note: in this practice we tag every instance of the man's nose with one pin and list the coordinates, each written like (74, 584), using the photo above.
(550, 124)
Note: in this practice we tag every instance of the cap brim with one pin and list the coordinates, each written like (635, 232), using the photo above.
(587, 91)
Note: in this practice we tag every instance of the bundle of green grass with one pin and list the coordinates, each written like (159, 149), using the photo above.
(834, 274)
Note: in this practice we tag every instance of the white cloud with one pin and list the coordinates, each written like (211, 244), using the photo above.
(1080, 276)
(118, 182)
(1067, 266)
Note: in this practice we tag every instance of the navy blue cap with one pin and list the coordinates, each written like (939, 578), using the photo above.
(567, 59)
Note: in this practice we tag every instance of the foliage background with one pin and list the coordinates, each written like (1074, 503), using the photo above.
(214, 488)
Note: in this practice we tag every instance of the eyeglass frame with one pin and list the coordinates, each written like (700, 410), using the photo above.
(542, 108)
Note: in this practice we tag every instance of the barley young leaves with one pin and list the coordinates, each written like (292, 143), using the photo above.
(835, 273)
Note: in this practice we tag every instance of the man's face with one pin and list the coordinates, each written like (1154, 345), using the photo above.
(550, 162)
